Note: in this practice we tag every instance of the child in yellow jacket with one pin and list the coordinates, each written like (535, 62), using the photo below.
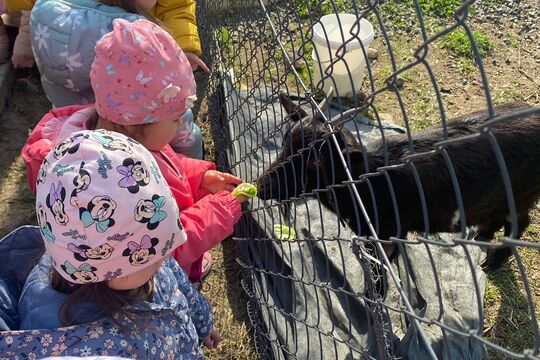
(179, 18)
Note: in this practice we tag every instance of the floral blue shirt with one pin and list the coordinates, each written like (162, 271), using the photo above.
(177, 319)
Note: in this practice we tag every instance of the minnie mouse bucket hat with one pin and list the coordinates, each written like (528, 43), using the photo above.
(104, 209)
(140, 75)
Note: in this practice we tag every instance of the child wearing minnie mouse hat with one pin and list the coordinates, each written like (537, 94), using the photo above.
(143, 83)
(103, 259)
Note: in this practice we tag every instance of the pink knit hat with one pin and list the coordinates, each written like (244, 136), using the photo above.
(104, 209)
(140, 75)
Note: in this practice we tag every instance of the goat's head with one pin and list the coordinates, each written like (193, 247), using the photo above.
(308, 159)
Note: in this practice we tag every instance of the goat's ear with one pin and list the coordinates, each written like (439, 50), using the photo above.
(355, 156)
(295, 112)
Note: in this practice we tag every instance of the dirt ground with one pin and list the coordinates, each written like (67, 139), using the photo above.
(25, 107)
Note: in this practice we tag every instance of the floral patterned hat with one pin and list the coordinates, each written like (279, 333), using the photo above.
(140, 75)
(104, 209)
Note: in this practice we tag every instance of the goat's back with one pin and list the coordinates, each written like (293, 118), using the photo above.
(475, 164)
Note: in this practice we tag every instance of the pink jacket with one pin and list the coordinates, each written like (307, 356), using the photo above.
(207, 218)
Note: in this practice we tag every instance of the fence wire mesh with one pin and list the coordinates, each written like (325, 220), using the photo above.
(379, 212)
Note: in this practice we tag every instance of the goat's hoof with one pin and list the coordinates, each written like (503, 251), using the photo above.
(492, 264)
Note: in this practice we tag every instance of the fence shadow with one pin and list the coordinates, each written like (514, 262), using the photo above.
(510, 327)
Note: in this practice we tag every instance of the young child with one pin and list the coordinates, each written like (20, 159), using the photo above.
(102, 259)
(22, 56)
(65, 33)
(143, 82)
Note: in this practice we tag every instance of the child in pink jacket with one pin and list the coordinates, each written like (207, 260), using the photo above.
(143, 83)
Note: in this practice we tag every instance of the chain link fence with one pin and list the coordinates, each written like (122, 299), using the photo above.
(372, 233)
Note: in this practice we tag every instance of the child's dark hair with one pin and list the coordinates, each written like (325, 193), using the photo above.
(111, 302)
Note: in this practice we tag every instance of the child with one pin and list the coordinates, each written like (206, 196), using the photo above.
(102, 260)
(65, 33)
(22, 56)
(143, 83)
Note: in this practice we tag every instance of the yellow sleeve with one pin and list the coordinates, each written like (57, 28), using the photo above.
(18, 5)
(178, 16)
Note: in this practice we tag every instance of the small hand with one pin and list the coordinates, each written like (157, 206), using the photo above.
(212, 340)
(215, 181)
(196, 62)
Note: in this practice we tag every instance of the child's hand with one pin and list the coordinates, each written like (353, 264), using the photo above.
(215, 181)
(196, 62)
(212, 340)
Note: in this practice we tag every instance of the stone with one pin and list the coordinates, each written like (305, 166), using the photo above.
(299, 64)
(361, 96)
(400, 82)
(445, 90)
(373, 54)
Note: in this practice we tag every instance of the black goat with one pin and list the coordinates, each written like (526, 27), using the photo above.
(309, 160)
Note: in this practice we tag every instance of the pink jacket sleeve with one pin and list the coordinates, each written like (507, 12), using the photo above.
(206, 223)
(194, 171)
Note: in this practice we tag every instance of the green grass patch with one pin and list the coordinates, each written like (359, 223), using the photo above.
(459, 43)
(512, 41)
(533, 231)
(466, 66)
(318, 8)
(440, 8)
(513, 95)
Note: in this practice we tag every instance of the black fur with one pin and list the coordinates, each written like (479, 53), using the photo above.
(315, 165)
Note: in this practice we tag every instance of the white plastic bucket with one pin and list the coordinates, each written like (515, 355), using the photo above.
(328, 36)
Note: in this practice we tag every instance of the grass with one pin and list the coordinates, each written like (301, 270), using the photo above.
(440, 8)
(507, 319)
(511, 94)
(402, 14)
(222, 288)
(307, 8)
(459, 43)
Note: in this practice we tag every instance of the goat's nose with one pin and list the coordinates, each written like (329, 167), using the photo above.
(263, 190)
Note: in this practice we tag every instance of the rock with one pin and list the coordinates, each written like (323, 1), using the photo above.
(372, 54)
(400, 82)
(361, 96)
(299, 64)
(445, 90)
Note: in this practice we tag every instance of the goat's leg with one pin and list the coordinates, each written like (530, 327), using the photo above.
(487, 233)
(497, 257)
